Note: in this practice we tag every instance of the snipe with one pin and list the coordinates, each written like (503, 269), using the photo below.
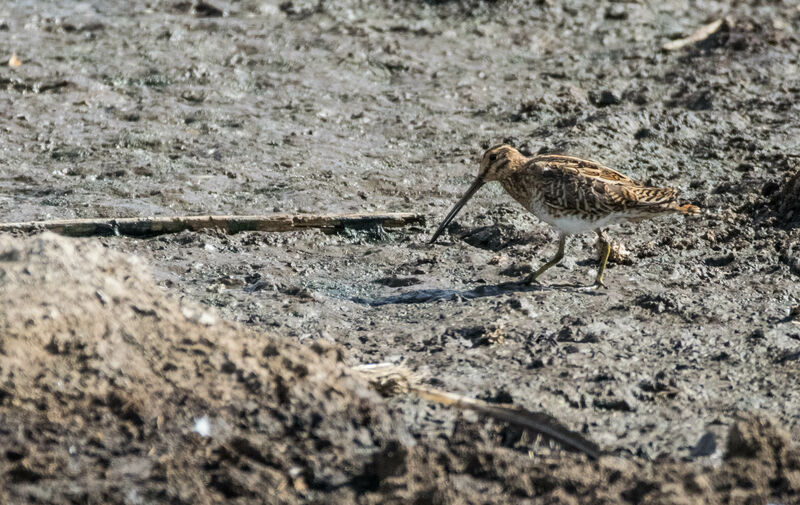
(570, 194)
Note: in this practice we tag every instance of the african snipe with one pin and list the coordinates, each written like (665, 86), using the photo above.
(570, 194)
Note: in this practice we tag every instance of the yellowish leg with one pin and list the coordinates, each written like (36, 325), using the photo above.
(562, 240)
(605, 252)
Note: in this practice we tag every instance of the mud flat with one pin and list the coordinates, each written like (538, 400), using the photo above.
(684, 370)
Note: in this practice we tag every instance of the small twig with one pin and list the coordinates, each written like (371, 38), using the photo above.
(149, 226)
(391, 379)
(701, 34)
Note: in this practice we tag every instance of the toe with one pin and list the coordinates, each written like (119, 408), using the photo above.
(593, 287)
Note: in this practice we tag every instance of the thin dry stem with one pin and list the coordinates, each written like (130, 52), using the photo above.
(150, 226)
(389, 379)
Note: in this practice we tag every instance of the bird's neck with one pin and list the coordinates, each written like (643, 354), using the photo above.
(513, 182)
(510, 165)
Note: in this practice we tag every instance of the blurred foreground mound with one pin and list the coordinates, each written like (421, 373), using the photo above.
(110, 392)
(107, 388)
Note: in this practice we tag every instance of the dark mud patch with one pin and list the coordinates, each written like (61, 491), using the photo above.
(495, 238)
(433, 295)
(397, 282)
(503, 288)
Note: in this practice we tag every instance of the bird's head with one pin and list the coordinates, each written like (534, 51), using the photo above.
(499, 162)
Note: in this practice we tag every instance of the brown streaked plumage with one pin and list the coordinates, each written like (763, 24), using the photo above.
(572, 195)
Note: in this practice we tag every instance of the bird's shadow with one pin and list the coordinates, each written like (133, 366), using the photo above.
(503, 288)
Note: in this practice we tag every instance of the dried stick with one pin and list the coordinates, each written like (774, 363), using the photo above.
(391, 379)
(701, 34)
(150, 226)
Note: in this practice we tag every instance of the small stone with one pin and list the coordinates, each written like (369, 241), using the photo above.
(207, 10)
(616, 12)
(706, 446)
(604, 98)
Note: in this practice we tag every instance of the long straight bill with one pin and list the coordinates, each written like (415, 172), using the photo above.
(471, 191)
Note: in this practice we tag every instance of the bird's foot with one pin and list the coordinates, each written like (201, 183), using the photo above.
(531, 279)
(597, 285)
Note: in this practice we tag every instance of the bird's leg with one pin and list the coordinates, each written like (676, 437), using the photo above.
(605, 252)
(562, 240)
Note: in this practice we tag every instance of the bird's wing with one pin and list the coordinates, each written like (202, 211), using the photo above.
(587, 168)
(574, 185)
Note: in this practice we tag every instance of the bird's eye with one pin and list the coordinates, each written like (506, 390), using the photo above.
(492, 157)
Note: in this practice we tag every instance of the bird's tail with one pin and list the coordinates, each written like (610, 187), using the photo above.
(658, 200)
(689, 210)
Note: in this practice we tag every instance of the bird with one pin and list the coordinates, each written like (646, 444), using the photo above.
(572, 195)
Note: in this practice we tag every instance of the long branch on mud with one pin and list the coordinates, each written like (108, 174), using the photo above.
(150, 226)
(389, 379)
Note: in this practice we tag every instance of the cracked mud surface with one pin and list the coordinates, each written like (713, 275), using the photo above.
(172, 108)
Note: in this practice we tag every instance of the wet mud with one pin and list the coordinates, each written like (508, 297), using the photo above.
(684, 370)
